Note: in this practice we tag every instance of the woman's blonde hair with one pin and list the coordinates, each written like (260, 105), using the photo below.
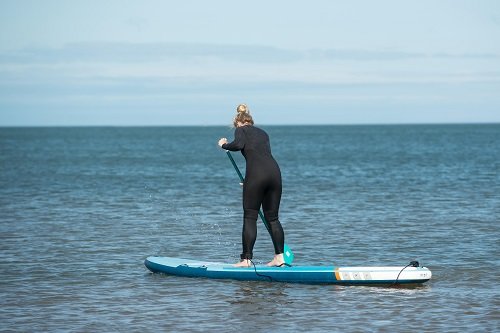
(242, 115)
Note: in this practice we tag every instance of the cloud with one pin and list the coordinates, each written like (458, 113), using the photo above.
(117, 52)
(156, 65)
(362, 55)
(181, 77)
(148, 52)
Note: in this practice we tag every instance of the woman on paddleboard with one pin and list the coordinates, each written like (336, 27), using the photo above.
(262, 185)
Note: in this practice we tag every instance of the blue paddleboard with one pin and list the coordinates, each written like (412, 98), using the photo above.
(294, 274)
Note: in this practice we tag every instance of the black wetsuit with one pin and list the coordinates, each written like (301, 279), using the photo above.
(262, 186)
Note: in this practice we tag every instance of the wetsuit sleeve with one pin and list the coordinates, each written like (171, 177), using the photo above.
(238, 142)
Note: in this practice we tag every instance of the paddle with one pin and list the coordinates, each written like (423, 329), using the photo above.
(287, 252)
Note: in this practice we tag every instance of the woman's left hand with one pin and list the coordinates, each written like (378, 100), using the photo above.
(222, 141)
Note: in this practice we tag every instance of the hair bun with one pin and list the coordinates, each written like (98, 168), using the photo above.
(242, 108)
(242, 116)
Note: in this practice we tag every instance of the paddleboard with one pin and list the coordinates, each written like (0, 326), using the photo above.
(410, 274)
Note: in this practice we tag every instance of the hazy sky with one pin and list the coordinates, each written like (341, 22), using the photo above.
(293, 62)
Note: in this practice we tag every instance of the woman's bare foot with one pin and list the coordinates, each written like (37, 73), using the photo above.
(278, 260)
(243, 263)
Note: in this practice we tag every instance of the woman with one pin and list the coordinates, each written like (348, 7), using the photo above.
(262, 185)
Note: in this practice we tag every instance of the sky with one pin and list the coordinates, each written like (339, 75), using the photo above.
(142, 63)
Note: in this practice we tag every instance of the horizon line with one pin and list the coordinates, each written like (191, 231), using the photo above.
(266, 125)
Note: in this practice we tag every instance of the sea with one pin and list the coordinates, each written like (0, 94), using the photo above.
(82, 207)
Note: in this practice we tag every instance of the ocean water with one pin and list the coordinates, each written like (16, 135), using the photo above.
(81, 208)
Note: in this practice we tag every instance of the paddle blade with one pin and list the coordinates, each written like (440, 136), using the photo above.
(288, 255)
